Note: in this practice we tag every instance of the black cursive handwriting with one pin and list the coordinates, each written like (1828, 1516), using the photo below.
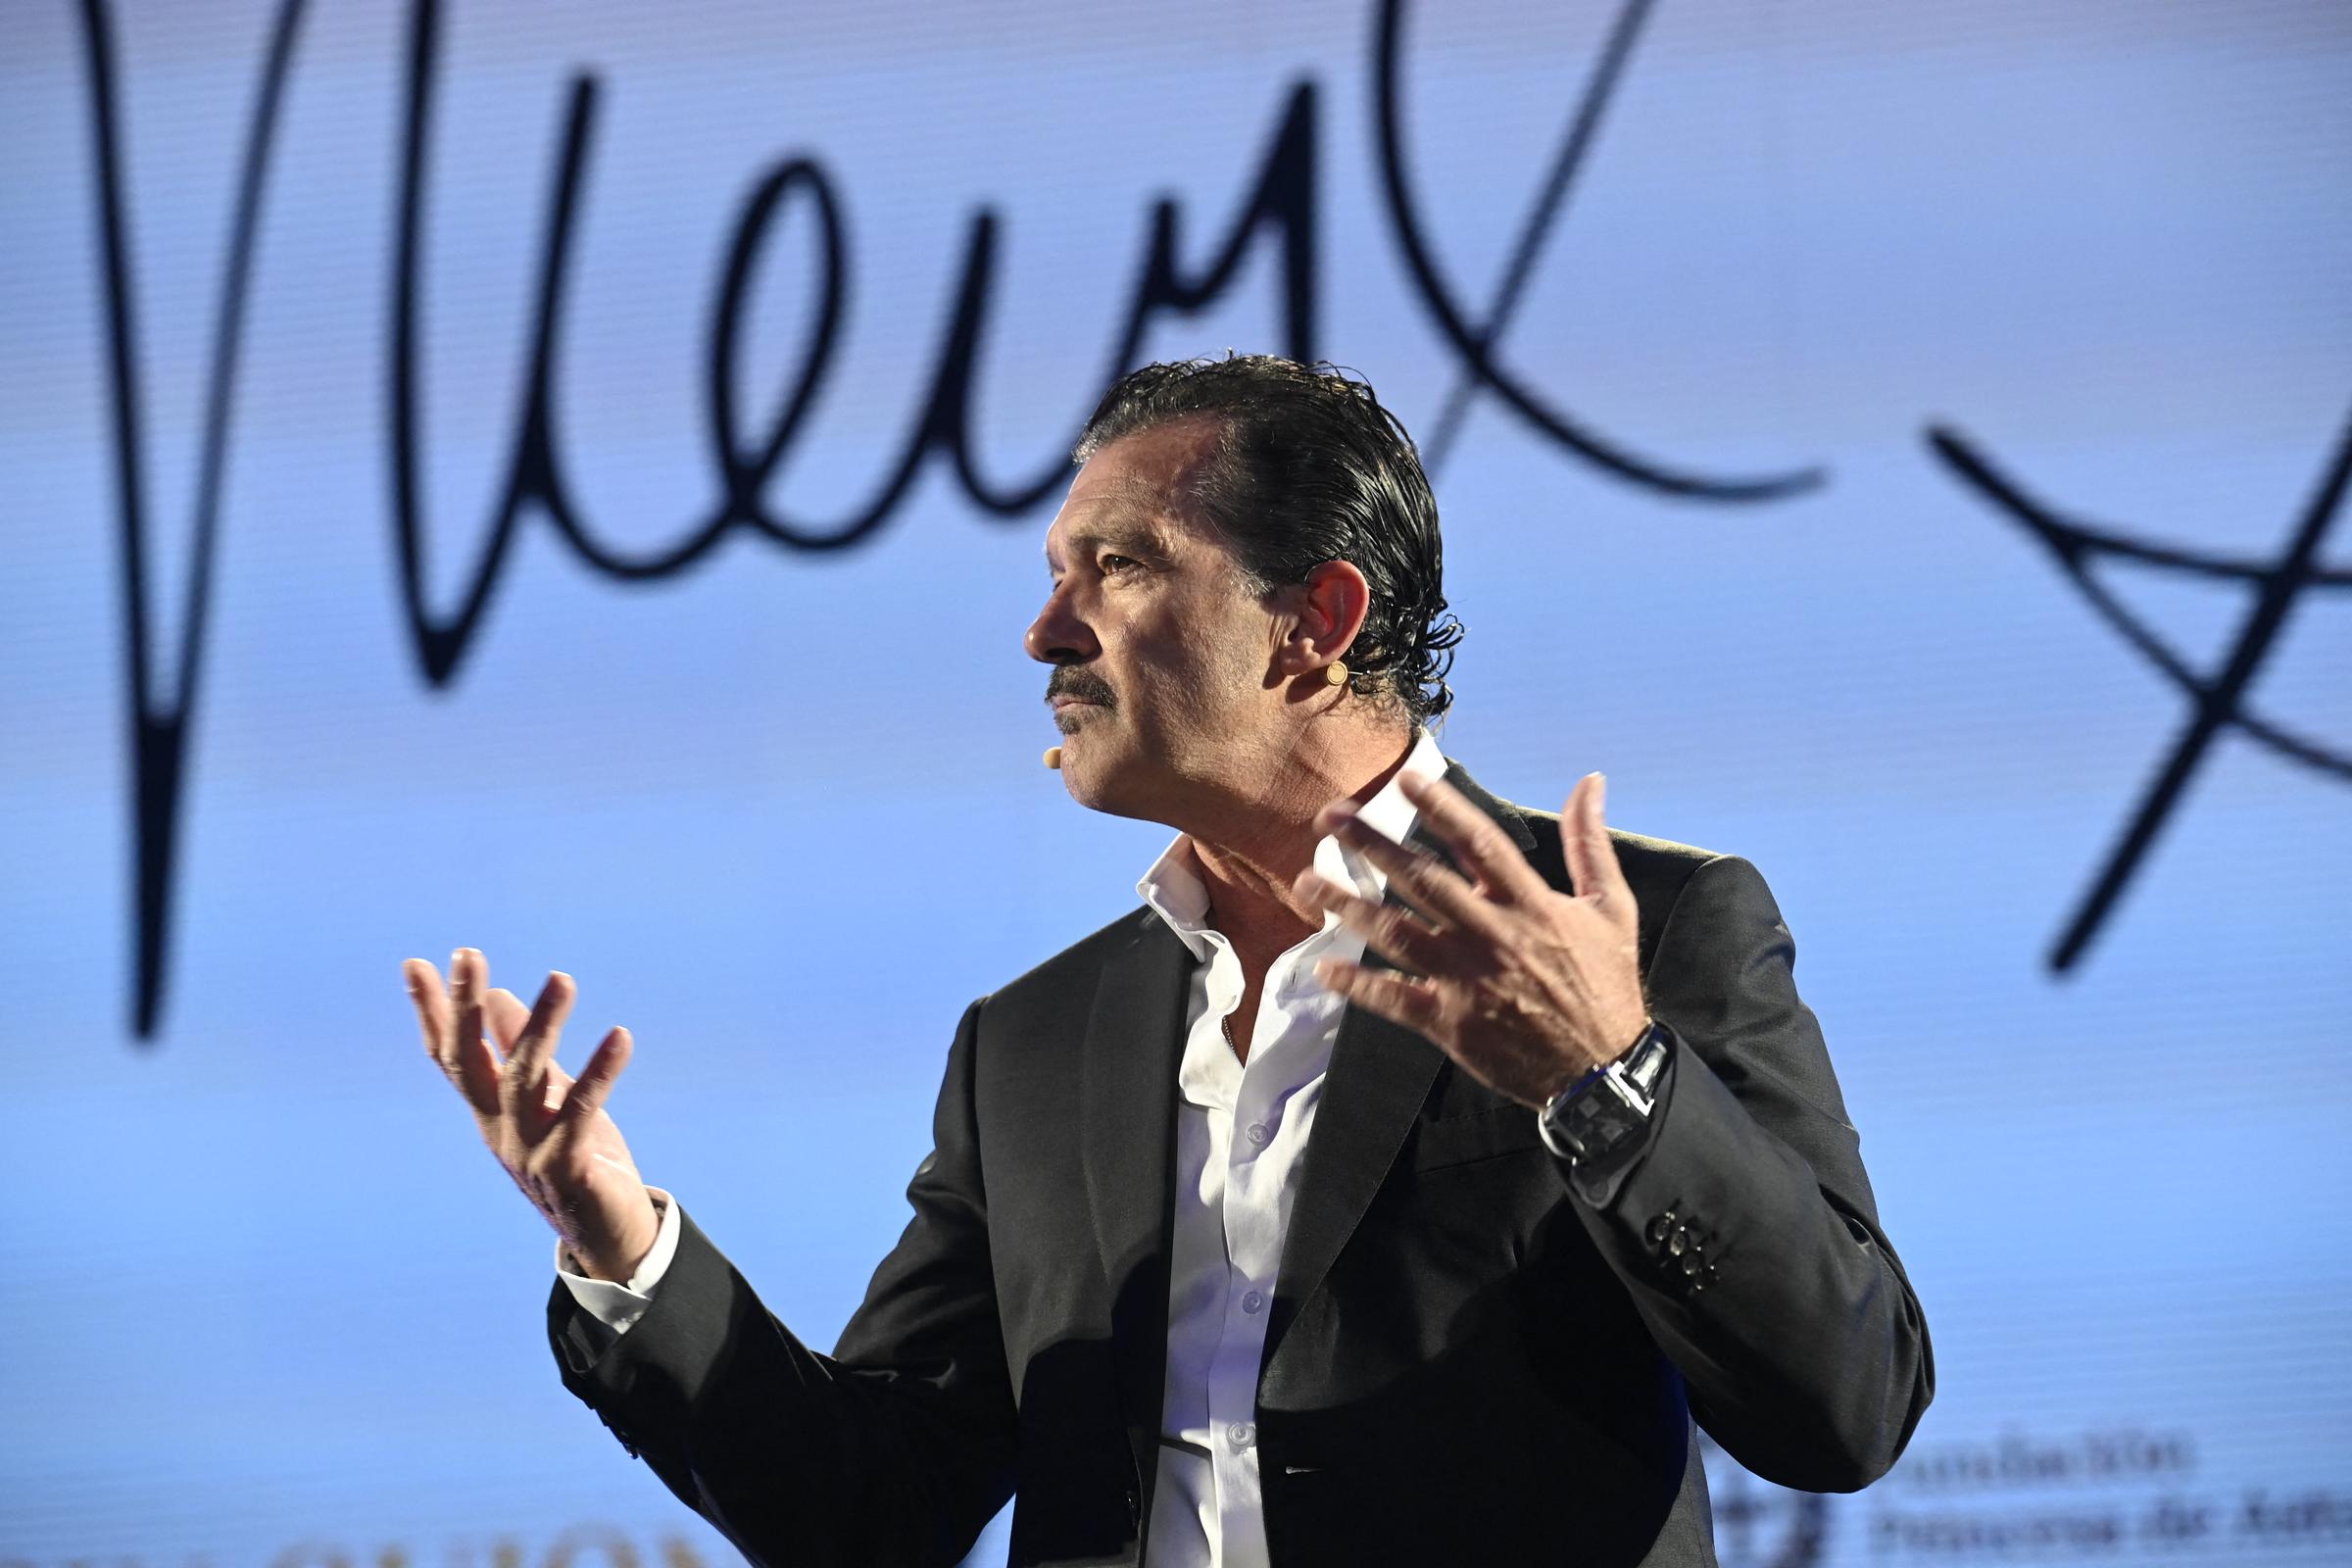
(159, 731)
(2214, 703)
(1280, 209)
(1476, 344)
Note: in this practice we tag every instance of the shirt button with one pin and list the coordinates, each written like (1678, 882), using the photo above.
(1253, 1303)
(1257, 1135)
(1240, 1433)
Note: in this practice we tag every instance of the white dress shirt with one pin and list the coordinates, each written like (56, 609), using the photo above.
(1241, 1137)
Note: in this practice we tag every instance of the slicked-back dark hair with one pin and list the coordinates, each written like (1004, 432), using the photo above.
(1309, 467)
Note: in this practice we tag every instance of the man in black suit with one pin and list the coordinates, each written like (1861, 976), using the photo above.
(1396, 1186)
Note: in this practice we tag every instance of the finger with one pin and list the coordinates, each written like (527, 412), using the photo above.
(507, 1014)
(587, 1096)
(432, 1005)
(1479, 847)
(1398, 998)
(469, 973)
(525, 1076)
(1592, 868)
(1421, 880)
(1393, 932)
(474, 1076)
(468, 977)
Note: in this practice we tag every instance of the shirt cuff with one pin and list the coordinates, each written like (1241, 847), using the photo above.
(618, 1306)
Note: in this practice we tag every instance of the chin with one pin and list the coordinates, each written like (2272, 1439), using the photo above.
(1095, 781)
(1082, 778)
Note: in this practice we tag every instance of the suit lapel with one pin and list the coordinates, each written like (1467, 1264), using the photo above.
(1134, 1039)
(1380, 1076)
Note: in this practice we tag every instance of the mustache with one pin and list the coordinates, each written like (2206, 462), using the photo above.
(1075, 680)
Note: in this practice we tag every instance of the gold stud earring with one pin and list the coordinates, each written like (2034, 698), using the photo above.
(1336, 673)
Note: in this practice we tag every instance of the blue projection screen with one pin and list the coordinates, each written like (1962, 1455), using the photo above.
(570, 479)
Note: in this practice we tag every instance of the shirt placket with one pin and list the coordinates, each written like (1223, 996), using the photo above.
(1254, 1212)
(1251, 1249)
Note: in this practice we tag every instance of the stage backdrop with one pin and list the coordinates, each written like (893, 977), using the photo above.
(570, 479)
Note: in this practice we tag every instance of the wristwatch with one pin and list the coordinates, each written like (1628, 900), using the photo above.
(1607, 1108)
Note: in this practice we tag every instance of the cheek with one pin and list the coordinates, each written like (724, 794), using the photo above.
(1195, 681)
(1198, 663)
(1236, 667)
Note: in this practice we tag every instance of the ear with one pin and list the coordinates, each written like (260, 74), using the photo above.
(1330, 608)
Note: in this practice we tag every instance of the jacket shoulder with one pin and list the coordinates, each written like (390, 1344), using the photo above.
(1651, 865)
(1657, 870)
(1072, 972)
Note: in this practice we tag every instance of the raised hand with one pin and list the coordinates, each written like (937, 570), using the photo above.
(1528, 988)
(547, 1128)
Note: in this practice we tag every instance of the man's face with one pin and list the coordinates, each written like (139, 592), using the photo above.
(1163, 677)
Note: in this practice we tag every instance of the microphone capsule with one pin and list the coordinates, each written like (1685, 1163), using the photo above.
(1054, 757)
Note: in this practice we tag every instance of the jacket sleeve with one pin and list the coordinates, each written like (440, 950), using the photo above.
(1746, 1230)
(898, 1449)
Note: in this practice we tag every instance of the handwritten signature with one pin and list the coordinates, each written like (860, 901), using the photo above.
(1279, 210)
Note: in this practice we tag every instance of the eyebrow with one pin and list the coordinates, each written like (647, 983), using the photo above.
(1141, 539)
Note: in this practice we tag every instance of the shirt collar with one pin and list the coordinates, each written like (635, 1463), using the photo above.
(1175, 891)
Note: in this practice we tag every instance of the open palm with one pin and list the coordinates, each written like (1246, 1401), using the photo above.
(548, 1129)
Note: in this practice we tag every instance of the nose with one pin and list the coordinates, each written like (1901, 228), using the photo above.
(1059, 635)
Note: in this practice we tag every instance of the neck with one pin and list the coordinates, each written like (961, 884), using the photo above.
(1253, 846)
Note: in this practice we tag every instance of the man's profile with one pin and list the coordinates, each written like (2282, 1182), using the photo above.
(1398, 1184)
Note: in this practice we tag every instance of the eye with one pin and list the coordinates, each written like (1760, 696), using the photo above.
(1116, 563)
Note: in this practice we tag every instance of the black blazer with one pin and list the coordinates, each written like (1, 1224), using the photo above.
(1475, 1353)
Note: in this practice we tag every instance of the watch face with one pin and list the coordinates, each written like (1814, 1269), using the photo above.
(1599, 1116)
(1590, 1124)
(1607, 1131)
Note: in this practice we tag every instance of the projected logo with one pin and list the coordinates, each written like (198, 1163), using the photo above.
(1758, 1525)
(2216, 701)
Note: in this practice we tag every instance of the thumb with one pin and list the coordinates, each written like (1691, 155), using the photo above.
(1592, 868)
